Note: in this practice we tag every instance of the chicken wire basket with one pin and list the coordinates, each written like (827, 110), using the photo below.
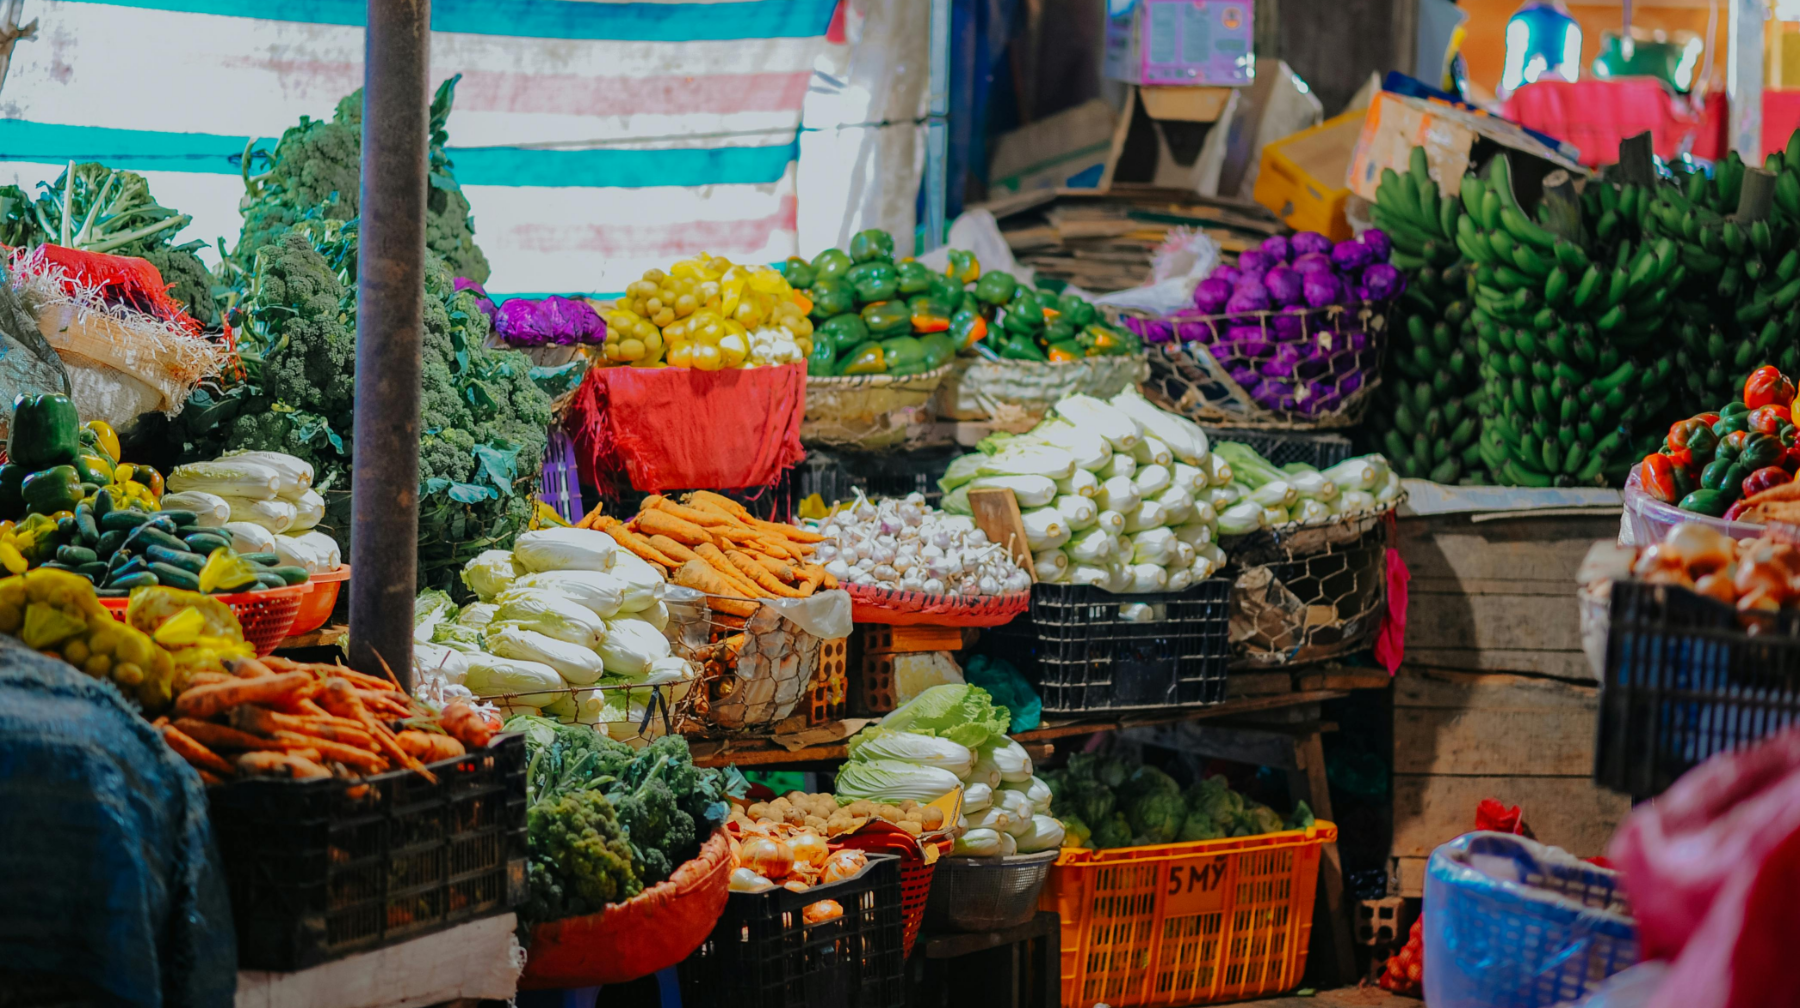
(1307, 593)
(623, 712)
(754, 670)
(1014, 395)
(986, 894)
(1296, 369)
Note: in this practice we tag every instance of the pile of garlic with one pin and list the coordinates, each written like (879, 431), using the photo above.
(906, 545)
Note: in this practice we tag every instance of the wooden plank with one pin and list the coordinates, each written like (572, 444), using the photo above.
(1568, 812)
(1561, 664)
(907, 639)
(996, 513)
(1514, 549)
(1481, 740)
(1246, 684)
(1343, 677)
(1508, 622)
(1331, 920)
(1418, 686)
(325, 636)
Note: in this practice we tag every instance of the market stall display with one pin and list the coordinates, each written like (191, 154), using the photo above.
(1107, 803)
(709, 313)
(1715, 463)
(903, 556)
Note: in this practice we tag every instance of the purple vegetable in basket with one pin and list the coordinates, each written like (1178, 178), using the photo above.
(1243, 374)
(1349, 255)
(1229, 274)
(521, 324)
(1326, 401)
(1379, 244)
(482, 301)
(1272, 394)
(1350, 382)
(1313, 262)
(1248, 299)
(1157, 331)
(1253, 262)
(1283, 285)
(1194, 332)
(1322, 289)
(1276, 248)
(1308, 242)
(1288, 325)
(1211, 294)
(1381, 282)
(568, 322)
(1280, 364)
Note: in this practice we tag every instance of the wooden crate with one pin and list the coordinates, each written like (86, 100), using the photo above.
(1495, 592)
(1460, 737)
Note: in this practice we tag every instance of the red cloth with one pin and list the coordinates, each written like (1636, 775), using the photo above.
(1595, 115)
(1711, 868)
(1390, 641)
(682, 429)
(123, 279)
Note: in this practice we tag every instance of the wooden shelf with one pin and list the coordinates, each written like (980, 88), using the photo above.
(761, 752)
(325, 636)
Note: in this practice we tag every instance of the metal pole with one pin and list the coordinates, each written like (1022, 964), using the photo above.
(937, 128)
(390, 306)
(1744, 78)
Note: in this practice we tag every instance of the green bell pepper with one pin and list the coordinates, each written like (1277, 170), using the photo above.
(874, 281)
(1731, 422)
(1076, 312)
(45, 432)
(1065, 351)
(799, 273)
(871, 245)
(831, 296)
(944, 290)
(12, 501)
(48, 491)
(822, 362)
(887, 318)
(904, 355)
(964, 268)
(866, 359)
(916, 277)
(967, 328)
(831, 264)
(842, 332)
(1020, 347)
(938, 349)
(1760, 450)
(996, 288)
(1024, 317)
(1059, 331)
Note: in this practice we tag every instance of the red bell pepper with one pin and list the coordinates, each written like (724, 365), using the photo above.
(1770, 419)
(1764, 478)
(1707, 418)
(1693, 434)
(1768, 385)
(1790, 459)
(1656, 473)
(1737, 508)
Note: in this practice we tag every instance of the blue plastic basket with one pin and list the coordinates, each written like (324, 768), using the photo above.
(560, 484)
(1511, 923)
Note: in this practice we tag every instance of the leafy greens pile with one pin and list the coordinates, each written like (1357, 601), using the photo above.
(1106, 803)
(316, 169)
(605, 820)
(483, 428)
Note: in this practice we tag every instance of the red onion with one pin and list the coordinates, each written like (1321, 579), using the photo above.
(1309, 242)
(1288, 325)
(1272, 394)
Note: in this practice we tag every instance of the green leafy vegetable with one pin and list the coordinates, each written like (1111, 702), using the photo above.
(101, 209)
(966, 715)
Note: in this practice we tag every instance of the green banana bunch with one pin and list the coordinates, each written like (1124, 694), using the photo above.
(1426, 419)
(1557, 316)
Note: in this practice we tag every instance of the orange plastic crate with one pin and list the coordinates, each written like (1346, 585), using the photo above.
(1186, 923)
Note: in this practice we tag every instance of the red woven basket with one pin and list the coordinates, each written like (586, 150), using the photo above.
(915, 889)
(265, 615)
(899, 608)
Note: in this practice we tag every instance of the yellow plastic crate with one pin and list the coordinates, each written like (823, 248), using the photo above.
(1302, 178)
(1186, 923)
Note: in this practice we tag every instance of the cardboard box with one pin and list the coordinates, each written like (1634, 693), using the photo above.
(1454, 140)
(1182, 42)
(1301, 177)
(1067, 150)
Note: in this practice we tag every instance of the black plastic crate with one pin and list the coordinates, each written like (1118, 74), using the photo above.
(1083, 657)
(1687, 679)
(836, 476)
(1319, 450)
(762, 953)
(321, 869)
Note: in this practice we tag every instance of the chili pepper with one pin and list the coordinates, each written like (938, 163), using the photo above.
(1656, 474)
(904, 355)
(865, 359)
(137, 472)
(964, 268)
(95, 469)
(1764, 478)
(45, 432)
(872, 245)
(831, 264)
(799, 273)
(945, 291)
(105, 438)
(966, 327)
(1733, 407)
(996, 288)
(1769, 419)
(915, 277)
(1767, 385)
(1023, 317)
(1108, 342)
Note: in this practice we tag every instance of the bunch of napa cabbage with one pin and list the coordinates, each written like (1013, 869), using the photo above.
(1259, 495)
(565, 623)
(1114, 494)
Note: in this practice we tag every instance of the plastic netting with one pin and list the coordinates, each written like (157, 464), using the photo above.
(105, 816)
(1304, 593)
(1297, 368)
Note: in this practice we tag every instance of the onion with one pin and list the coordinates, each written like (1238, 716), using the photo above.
(767, 857)
(845, 864)
(1700, 549)
(745, 880)
(810, 849)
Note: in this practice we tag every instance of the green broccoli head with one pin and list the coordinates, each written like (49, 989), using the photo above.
(1156, 815)
(1199, 826)
(189, 281)
(1089, 799)
(1145, 780)
(579, 858)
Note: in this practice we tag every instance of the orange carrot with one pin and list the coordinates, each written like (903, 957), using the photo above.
(207, 679)
(718, 500)
(340, 698)
(762, 578)
(203, 702)
(221, 737)
(718, 561)
(673, 550)
(700, 576)
(654, 522)
(638, 545)
(786, 531)
(780, 569)
(250, 668)
(812, 576)
(695, 515)
(430, 746)
(275, 764)
(195, 753)
(209, 778)
(337, 751)
(587, 520)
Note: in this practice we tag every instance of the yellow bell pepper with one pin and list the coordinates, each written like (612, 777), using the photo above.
(105, 437)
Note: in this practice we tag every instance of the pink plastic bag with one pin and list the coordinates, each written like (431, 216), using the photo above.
(1712, 871)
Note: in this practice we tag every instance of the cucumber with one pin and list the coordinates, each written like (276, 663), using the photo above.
(182, 519)
(270, 579)
(95, 572)
(84, 521)
(134, 565)
(75, 556)
(175, 577)
(204, 543)
(262, 559)
(122, 520)
(291, 574)
(150, 535)
(192, 562)
(110, 542)
(139, 579)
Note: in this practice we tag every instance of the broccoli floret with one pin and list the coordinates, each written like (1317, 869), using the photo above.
(579, 858)
(189, 281)
(1086, 798)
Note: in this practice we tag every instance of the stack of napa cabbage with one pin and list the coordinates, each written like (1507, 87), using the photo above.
(1259, 495)
(1114, 494)
(565, 611)
(264, 500)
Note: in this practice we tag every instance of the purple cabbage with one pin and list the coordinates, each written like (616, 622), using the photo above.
(1243, 374)
(1309, 243)
(1283, 285)
(520, 323)
(1288, 325)
(1312, 262)
(1380, 282)
(1248, 299)
(1272, 394)
(1229, 274)
(1253, 262)
(1349, 255)
(1194, 332)
(1322, 289)
(1276, 248)
(1211, 294)
(482, 302)
(1378, 243)
(570, 321)
(1280, 364)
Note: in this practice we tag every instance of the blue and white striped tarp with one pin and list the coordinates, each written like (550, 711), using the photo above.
(594, 139)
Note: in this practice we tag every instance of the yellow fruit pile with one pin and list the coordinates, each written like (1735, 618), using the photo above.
(702, 314)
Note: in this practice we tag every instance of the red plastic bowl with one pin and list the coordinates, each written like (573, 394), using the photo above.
(316, 605)
(265, 615)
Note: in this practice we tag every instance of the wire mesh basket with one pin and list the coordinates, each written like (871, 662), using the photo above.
(1304, 593)
(754, 670)
(987, 894)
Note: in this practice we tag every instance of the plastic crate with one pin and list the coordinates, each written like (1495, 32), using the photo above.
(1321, 451)
(762, 953)
(1082, 657)
(1186, 923)
(320, 869)
(1686, 679)
(1512, 923)
(1301, 177)
(266, 615)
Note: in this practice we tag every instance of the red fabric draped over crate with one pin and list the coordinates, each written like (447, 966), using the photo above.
(678, 428)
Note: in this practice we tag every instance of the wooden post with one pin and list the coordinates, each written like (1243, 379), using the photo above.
(1331, 920)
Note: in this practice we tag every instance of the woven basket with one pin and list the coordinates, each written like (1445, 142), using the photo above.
(1015, 395)
(869, 412)
(1186, 378)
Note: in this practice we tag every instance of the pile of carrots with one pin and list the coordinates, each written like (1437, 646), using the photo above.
(713, 544)
(272, 717)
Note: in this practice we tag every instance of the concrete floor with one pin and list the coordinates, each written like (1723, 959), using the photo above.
(1345, 997)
